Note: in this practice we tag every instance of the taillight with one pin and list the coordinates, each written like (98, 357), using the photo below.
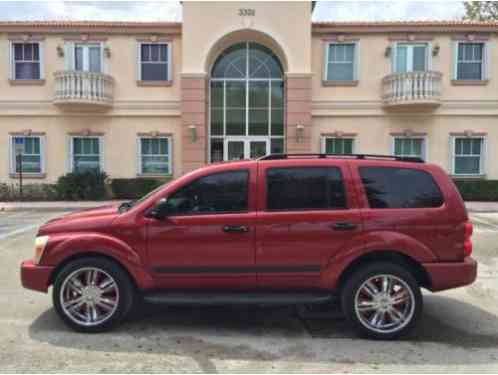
(467, 244)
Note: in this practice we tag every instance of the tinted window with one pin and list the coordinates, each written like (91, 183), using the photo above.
(400, 188)
(216, 193)
(304, 188)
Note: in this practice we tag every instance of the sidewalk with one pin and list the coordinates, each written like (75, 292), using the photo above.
(80, 205)
(54, 206)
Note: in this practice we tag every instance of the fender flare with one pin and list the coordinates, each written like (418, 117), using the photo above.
(76, 245)
(369, 244)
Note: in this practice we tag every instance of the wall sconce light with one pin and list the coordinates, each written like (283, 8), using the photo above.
(435, 50)
(107, 51)
(60, 51)
(193, 133)
(387, 52)
(299, 133)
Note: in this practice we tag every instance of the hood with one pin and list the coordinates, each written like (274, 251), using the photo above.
(81, 221)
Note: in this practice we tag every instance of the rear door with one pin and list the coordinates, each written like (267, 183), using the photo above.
(306, 214)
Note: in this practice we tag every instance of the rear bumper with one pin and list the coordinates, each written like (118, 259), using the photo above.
(35, 277)
(451, 275)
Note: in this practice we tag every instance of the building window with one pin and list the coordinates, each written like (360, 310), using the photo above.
(341, 146)
(468, 156)
(470, 64)
(341, 62)
(409, 147)
(155, 156)
(86, 154)
(88, 58)
(410, 58)
(32, 151)
(155, 61)
(26, 61)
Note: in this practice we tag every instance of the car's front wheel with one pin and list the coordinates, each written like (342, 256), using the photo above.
(382, 300)
(92, 294)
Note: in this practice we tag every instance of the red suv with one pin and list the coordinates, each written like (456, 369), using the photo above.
(364, 231)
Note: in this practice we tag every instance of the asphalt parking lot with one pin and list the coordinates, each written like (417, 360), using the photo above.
(458, 332)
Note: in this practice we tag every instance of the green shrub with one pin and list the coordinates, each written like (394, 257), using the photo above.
(31, 192)
(134, 188)
(90, 185)
(478, 190)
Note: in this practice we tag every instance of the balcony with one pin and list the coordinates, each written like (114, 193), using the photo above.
(80, 89)
(420, 89)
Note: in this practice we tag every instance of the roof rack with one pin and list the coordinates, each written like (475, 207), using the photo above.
(410, 159)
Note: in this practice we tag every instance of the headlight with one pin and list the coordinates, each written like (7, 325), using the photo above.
(40, 244)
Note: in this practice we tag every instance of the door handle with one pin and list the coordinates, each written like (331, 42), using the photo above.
(344, 226)
(235, 229)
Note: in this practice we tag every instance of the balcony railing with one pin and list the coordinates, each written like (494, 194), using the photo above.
(412, 88)
(73, 87)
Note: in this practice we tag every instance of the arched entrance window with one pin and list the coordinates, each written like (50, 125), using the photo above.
(246, 104)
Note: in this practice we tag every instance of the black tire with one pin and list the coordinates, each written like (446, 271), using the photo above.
(127, 293)
(355, 282)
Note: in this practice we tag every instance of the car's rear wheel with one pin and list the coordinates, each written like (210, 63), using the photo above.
(93, 294)
(382, 300)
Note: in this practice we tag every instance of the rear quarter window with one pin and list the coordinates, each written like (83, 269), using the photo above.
(389, 187)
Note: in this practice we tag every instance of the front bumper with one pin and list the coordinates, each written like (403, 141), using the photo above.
(35, 277)
(451, 275)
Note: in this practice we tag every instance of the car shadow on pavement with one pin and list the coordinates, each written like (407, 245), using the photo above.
(267, 334)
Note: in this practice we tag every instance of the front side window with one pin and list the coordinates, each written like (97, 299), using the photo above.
(26, 61)
(470, 61)
(155, 156)
(304, 188)
(411, 58)
(154, 62)
(218, 193)
(468, 156)
(341, 62)
(341, 146)
(30, 161)
(388, 187)
(409, 147)
(88, 58)
(85, 154)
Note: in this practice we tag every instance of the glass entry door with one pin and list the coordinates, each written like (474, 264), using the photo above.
(246, 148)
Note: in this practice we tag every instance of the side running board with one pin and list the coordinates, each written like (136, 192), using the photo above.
(237, 298)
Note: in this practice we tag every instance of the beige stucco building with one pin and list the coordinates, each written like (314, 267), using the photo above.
(240, 80)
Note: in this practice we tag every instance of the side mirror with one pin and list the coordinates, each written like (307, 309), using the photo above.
(160, 210)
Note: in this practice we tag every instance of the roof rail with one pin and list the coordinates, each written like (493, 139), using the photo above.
(410, 159)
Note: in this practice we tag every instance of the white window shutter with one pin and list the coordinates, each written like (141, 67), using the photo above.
(455, 59)
(42, 154)
(170, 61)
(356, 57)
(101, 154)
(394, 56)
(326, 61)
(486, 62)
(139, 70)
(69, 161)
(69, 56)
(11, 155)
(139, 156)
(42, 65)
(11, 60)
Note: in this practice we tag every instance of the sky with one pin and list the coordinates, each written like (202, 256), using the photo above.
(164, 10)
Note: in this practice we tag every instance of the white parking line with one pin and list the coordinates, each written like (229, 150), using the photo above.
(18, 231)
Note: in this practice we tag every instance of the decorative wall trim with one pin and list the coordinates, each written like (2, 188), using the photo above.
(470, 37)
(408, 133)
(26, 82)
(154, 39)
(339, 134)
(410, 38)
(85, 133)
(469, 82)
(25, 38)
(468, 133)
(340, 83)
(155, 83)
(86, 38)
(340, 38)
(155, 134)
(27, 133)
(194, 75)
(298, 75)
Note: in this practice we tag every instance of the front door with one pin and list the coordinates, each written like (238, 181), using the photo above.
(207, 239)
(246, 148)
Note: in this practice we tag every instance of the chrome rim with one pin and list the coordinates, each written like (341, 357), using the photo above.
(384, 303)
(89, 296)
